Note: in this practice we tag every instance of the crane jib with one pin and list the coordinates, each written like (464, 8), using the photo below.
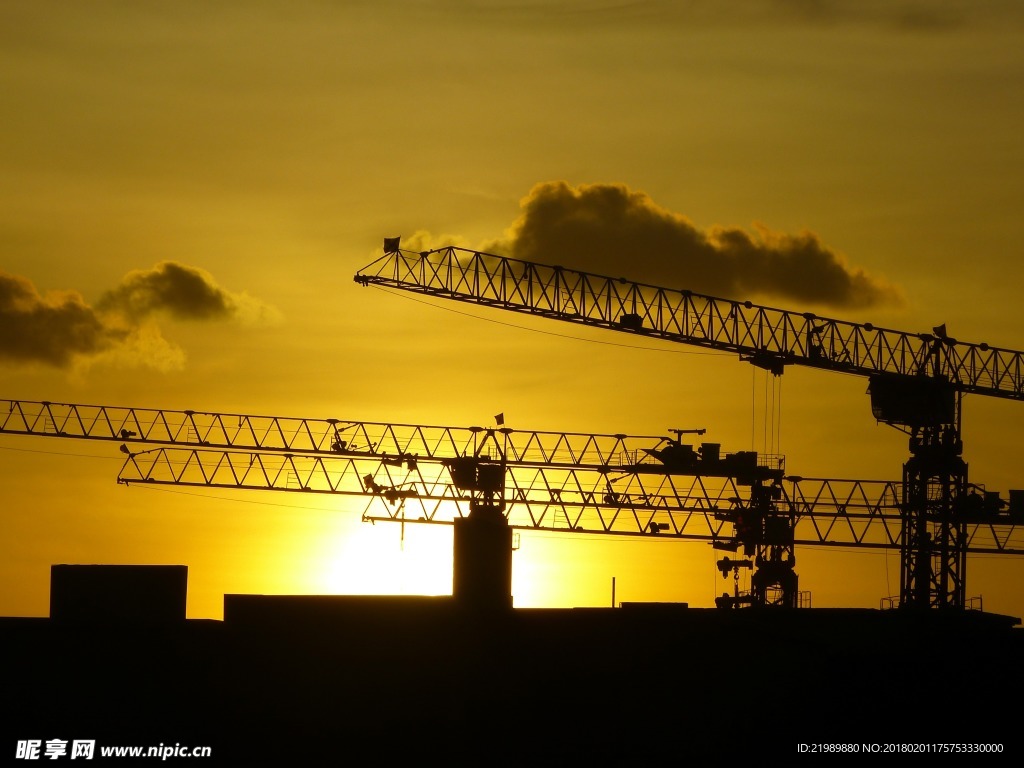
(765, 336)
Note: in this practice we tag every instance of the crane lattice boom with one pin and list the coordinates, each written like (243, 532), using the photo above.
(331, 436)
(584, 500)
(769, 337)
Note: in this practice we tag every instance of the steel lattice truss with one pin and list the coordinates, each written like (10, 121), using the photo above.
(566, 499)
(567, 482)
(769, 337)
(330, 436)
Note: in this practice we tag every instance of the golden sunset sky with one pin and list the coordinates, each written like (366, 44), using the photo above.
(268, 148)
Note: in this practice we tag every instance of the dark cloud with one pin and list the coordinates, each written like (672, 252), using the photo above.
(51, 330)
(612, 230)
(181, 291)
(60, 329)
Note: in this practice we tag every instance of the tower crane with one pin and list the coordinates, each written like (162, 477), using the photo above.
(561, 481)
(567, 482)
(916, 380)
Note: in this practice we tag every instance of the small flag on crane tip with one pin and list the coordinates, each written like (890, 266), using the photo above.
(391, 244)
(500, 419)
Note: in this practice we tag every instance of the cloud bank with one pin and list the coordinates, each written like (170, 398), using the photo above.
(60, 329)
(612, 230)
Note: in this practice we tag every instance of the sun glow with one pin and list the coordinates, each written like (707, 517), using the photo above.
(389, 559)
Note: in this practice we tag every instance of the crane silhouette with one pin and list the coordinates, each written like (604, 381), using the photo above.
(578, 483)
(916, 382)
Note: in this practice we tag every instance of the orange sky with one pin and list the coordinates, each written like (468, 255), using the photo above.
(274, 148)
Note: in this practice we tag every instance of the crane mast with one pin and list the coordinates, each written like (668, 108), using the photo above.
(916, 380)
